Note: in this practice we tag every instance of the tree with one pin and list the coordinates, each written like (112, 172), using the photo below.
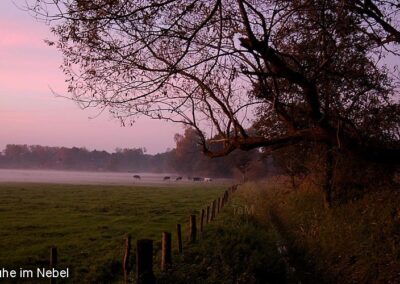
(293, 161)
(186, 154)
(300, 70)
(188, 159)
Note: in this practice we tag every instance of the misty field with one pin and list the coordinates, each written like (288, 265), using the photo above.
(87, 223)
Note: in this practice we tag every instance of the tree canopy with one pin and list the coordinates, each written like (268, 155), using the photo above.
(294, 70)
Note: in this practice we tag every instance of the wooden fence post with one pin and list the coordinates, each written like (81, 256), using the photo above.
(208, 214)
(213, 210)
(144, 262)
(166, 257)
(179, 237)
(192, 229)
(53, 261)
(126, 263)
(219, 205)
(202, 220)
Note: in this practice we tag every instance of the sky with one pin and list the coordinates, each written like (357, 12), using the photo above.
(31, 114)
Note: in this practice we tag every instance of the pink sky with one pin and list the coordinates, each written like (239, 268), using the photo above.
(29, 112)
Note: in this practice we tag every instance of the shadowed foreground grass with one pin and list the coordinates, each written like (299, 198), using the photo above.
(356, 242)
(235, 248)
(87, 223)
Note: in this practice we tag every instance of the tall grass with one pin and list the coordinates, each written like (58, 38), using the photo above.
(355, 242)
(235, 248)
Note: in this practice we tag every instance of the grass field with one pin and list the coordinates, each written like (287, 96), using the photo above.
(88, 223)
(356, 242)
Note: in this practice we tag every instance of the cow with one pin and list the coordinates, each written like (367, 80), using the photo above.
(136, 177)
(178, 178)
(198, 179)
(167, 178)
(208, 179)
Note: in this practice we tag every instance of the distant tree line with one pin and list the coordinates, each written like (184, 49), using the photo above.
(43, 157)
(185, 159)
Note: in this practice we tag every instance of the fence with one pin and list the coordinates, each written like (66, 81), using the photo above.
(144, 247)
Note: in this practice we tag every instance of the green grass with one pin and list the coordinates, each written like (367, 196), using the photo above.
(235, 248)
(356, 242)
(87, 223)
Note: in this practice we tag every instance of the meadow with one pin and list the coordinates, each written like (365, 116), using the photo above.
(356, 242)
(88, 223)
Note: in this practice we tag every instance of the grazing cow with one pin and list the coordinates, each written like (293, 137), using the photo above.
(198, 179)
(208, 179)
(178, 178)
(167, 178)
(136, 177)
